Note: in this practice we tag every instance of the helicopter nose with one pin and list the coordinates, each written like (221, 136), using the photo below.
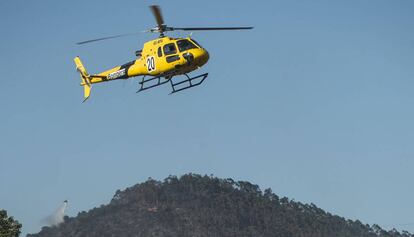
(203, 58)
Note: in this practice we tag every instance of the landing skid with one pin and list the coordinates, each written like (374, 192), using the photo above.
(176, 86)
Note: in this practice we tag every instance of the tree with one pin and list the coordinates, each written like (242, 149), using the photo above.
(8, 226)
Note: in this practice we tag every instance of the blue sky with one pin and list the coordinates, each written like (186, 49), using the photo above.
(315, 103)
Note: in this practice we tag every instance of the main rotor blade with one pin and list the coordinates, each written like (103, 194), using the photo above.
(109, 37)
(158, 16)
(213, 28)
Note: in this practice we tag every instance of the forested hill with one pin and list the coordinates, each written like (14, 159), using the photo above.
(195, 205)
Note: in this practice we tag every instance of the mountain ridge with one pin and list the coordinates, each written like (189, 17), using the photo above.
(196, 205)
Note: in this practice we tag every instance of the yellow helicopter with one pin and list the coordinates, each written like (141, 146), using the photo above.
(161, 59)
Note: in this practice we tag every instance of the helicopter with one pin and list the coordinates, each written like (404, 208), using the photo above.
(160, 59)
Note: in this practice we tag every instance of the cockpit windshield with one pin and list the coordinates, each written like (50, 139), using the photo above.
(184, 45)
(195, 42)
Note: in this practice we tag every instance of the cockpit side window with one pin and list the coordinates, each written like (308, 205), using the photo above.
(170, 49)
(184, 45)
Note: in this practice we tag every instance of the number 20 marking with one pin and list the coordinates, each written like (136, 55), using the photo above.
(150, 64)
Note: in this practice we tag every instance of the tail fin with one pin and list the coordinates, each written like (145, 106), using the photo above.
(86, 79)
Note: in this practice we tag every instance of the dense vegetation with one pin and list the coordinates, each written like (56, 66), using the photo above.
(195, 205)
(9, 227)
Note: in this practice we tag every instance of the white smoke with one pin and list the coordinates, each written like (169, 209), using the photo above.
(57, 217)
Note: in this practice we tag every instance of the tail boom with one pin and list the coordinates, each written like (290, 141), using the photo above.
(131, 69)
